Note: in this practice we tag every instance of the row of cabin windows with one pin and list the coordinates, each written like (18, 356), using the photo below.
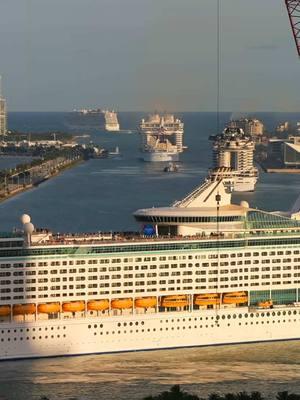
(148, 259)
(164, 266)
(137, 284)
(141, 290)
(136, 276)
(163, 274)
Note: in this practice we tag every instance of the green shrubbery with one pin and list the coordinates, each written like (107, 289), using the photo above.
(176, 393)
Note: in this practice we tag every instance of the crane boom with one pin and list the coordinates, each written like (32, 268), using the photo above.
(293, 8)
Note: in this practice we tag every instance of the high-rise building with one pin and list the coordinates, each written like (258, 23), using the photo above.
(3, 113)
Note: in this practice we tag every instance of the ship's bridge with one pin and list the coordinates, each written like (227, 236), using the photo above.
(207, 210)
(192, 220)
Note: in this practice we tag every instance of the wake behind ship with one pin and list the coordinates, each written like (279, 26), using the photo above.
(161, 138)
(201, 272)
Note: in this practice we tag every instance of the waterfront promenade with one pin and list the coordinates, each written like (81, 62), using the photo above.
(23, 178)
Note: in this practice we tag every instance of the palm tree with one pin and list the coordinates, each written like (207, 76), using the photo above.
(256, 396)
(175, 393)
(282, 395)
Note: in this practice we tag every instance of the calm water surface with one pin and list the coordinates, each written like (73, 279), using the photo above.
(101, 195)
(268, 368)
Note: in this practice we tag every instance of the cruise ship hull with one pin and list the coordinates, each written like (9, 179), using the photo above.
(112, 128)
(77, 336)
(244, 184)
(160, 157)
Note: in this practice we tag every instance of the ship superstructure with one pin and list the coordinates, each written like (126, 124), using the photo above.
(201, 272)
(233, 152)
(161, 138)
(111, 121)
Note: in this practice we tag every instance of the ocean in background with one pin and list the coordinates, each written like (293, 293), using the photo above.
(101, 195)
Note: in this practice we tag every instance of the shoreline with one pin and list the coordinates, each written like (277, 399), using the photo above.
(29, 186)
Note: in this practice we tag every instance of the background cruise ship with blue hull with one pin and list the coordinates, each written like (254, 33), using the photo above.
(203, 272)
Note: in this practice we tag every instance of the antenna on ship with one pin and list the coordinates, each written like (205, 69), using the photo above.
(218, 196)
(218, 62)
(218, 200)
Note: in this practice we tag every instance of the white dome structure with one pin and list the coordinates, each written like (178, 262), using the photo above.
(244, 204)
(25, 219)
(28, 228)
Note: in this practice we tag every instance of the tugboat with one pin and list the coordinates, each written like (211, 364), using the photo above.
(171, 167)
(116, 153)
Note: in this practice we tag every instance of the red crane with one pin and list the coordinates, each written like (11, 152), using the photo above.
(293, 8)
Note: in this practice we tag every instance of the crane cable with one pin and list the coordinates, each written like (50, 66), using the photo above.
(218, 63)
(218, 32)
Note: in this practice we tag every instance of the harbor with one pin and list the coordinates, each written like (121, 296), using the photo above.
(149, 207)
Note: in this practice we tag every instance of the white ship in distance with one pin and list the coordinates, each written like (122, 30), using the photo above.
(161, 138)
(111, 121)
(233, 153)
(104, 119)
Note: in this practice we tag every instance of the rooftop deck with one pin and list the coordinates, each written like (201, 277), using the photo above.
(136, 237)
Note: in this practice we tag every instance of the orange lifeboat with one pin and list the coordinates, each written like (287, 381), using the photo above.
(73, 306)
(98, 305)
(175, 301)
(266, 304)
(49, 308)
(146, 302)
(122, 304)
(4, 311)
(23, 309)
(235, 298)
(207, 299)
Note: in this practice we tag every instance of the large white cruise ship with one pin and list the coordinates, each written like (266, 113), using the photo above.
(161, 138)
(233, 152)
(202, 272)
(111, 121)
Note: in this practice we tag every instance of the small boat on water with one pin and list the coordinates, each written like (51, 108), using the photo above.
(115, 153)
(171, 167)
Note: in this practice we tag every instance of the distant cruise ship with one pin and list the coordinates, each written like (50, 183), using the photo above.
(161, 138)
(111, 121)
(201, 272)
(89, 111)
(233, 152)
(96, 118)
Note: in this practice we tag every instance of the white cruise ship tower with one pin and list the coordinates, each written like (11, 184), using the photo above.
(161, 138)
(233, 152)
(201, 272)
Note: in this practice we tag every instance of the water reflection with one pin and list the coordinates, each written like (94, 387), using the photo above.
(269, 367)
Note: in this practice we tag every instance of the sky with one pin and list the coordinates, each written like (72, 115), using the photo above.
(145, 55)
